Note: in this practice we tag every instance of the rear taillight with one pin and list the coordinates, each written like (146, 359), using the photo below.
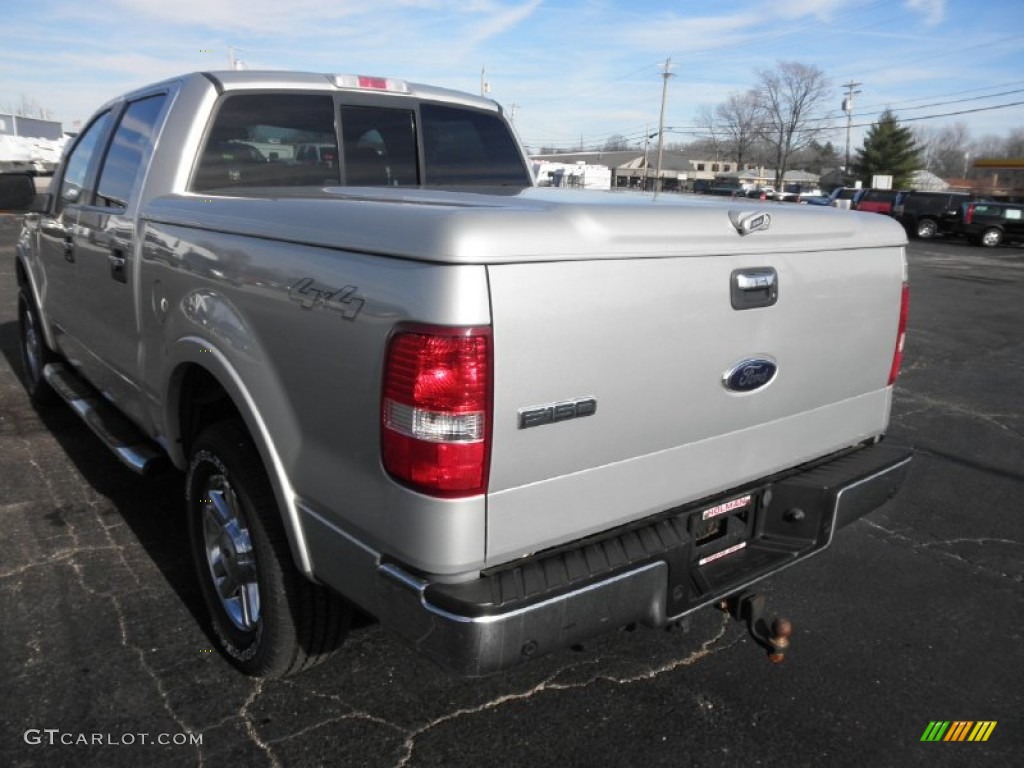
(901, 335)
(969, 214)
(436, 409)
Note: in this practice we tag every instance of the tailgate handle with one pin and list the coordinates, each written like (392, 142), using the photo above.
(753, 287)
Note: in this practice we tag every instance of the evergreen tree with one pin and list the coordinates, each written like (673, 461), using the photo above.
(889, 149)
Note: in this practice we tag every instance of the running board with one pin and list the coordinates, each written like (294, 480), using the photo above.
(116, 431)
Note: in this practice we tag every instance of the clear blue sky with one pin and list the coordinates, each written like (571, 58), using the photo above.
(572, 68)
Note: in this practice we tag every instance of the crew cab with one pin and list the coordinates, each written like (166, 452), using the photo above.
(399, 376)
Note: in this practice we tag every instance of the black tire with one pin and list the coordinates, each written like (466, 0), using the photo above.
(34, 352)
(269, 619)
(991, 237)
(926, 228)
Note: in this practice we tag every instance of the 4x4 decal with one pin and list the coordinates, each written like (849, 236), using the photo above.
(344, 301)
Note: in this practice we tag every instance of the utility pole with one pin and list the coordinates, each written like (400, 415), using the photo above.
(848, 109)
(485, 87)
(661, 122)
(647, 165)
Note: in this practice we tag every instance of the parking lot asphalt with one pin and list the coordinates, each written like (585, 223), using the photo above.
(913, 615)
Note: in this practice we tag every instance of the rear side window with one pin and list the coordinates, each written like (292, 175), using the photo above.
(464, 147)
(270, 139)
(124, 159)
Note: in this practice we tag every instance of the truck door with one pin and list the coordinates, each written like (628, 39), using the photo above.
(58, 286)
(106, 257)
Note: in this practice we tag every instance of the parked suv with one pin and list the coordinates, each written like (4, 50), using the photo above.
(927, 214)
(990, 224)
(876, 200)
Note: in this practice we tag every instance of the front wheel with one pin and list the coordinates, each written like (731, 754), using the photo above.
(269, 620)
(34, 352)
(990, 238)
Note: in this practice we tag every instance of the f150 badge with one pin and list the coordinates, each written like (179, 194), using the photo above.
(552, 412)
(750, 374)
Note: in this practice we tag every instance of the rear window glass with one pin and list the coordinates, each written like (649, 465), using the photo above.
(380, 147)
(270, 139)
(275, 139)
(464, 147)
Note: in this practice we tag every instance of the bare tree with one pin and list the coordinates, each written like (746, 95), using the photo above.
(615, 143)
(947, 150)
(740, 119)
(29, 107)
(1014, 145)
(791, 98)
(710, 135)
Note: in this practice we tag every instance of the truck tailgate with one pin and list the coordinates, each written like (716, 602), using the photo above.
(635, 352)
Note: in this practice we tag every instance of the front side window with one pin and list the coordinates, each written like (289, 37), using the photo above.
(127, 150)
(77, 168)
(270, 140)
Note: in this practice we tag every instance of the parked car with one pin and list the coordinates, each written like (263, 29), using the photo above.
(927, 214)
(876, 200)
(853, 194)
(990, 224)
(793, 192)
(814, 199)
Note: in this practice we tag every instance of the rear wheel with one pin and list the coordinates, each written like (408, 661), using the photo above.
(991, 237)
(34, 352)
(269, 619)
(926, 228)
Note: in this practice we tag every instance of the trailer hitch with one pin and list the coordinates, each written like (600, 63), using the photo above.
(749, 607)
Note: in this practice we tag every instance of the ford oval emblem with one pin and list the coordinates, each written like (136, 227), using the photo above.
(750, 374)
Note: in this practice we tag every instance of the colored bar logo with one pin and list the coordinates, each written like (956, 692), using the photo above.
(958, 730)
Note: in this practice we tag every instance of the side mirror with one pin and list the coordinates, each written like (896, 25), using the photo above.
(17, 192)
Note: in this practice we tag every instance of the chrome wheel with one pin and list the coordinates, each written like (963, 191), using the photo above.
(991, 238)
(229, 553)
(926, 228)
(267, 617)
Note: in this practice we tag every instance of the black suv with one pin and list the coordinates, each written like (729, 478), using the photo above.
(927, 214)
(990, 224)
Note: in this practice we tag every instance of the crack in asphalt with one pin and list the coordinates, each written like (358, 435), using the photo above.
(126, 643)
(250, 724)
(53, 558)
(926, 545)
(549, 684)
(68, 555)
(411, 735)
(929, 403)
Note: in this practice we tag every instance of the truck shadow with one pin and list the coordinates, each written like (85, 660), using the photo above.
(152, 506)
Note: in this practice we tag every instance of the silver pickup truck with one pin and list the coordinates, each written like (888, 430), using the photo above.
(398, 376)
